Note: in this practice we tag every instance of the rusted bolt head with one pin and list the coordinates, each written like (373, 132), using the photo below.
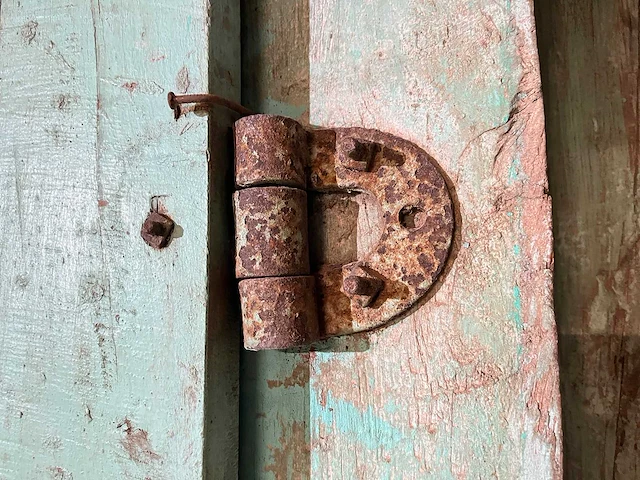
(359, 155)
(367, 288)
(157, 229)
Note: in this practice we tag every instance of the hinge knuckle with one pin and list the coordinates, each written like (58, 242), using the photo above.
(281, 167)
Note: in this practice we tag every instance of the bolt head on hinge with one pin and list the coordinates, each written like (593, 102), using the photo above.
(365, 289)
(360, 155)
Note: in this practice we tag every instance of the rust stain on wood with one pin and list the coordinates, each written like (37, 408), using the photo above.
(299, 378)
(136, 443)
(130, 86)
(291, 455)
(59, 473)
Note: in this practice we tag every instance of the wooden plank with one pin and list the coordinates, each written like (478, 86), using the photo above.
(589, 54)
(274, 403)
(466, 387)
(102, 339)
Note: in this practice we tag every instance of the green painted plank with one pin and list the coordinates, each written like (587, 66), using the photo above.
(274, 400)
(467, 386)
(102, 340)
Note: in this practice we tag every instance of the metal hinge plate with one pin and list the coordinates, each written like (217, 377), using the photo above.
(291, 297)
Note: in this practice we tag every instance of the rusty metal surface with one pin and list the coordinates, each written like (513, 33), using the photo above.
(322, 151)
(415, 212)
(362, 287)
(271, 232)
(278, 312)
(157, 229)
(270, 150)
(357, 154)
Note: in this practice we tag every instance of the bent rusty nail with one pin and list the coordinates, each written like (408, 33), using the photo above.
(208, 99)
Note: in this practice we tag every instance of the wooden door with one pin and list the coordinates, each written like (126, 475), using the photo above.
(120, 361)
(467, 386)
(589, 54)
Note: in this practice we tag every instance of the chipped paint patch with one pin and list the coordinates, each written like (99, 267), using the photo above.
(341, 416)
(299, 378)
(135, 442)
(516, 314)
(290, 458)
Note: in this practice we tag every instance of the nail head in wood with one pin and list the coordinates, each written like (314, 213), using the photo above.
(157, 229)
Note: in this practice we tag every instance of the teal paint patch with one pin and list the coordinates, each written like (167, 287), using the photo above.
(364, 425)
(443, 457)
(491, 340)
(516, 314)
(497, 100)
(443, 451)
(355, 54)
(316, 461)
(390, 407)
(514, 170)
(276, 107)
(467, 327)
(516, 249)
(480, 430)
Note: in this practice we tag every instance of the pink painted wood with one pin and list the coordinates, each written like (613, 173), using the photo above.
(467, 386)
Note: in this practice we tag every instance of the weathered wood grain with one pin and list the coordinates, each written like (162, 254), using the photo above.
(589, 54)
(467, 386)
(102, 339)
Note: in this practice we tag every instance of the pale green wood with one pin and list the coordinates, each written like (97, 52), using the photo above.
(102, 339)
(467, 386)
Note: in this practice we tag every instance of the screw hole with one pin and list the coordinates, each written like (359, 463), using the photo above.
(412, 217)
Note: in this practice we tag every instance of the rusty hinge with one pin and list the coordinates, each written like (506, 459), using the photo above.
(290, 294)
